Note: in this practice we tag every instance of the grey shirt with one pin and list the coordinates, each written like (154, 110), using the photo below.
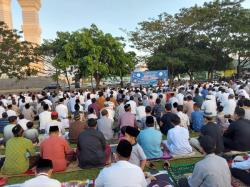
(31, 134)
(137, 155)
(105, 125)
(212, 171)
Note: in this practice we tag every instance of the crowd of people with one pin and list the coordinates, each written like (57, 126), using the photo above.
(147, 122)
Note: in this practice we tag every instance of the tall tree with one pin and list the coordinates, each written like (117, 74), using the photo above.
(16, 56)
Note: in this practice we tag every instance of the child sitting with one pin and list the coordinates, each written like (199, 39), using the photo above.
(31, 133)
(138, 156)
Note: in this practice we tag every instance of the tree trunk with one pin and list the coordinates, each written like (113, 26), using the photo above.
(190, 74)
(98, 78)
(121, 79)
(67, 78)
(91, 79)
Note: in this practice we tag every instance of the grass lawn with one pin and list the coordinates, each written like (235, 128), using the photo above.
(93, 173)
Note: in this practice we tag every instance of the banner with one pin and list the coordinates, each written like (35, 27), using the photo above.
(150, 78)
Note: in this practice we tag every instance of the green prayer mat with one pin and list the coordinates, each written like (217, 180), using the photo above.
(179, 167)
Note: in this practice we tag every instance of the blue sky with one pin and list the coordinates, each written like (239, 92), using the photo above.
(109, 15)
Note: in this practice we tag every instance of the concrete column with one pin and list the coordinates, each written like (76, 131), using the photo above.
(31, 27)
(5, 12)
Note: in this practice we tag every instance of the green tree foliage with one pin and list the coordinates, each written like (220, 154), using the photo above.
(16, 56)
(199, 38)
(89, 52)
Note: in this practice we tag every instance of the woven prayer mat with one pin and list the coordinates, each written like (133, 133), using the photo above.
(179, 167)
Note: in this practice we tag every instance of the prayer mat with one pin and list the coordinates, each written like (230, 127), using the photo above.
(195, 153)
(179, 167)
(162, 180)
(165, 156)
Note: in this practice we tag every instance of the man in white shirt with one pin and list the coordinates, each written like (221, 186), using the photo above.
(22, 122)
(229, 105)
(54, 122)
(132, 104)
(43, 174)
(185, 122)
(209, 106)
(105, 125)
(180, 97)
(44, 117)
(122, 173)
(11, 112)
(178, 139)
(87, 103)
(140, 111)
(62, 109)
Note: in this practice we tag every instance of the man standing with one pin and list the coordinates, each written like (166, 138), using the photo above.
(121, 173)
(91, 147)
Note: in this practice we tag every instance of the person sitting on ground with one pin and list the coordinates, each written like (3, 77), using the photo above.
(91, 114)
(221, 120)
(7, 131)
(158, 110)
(127, 118)
(150, 140)
(211, 171)
(178, 139)
(197, 118)
(148, 111)
(91, 147)
(28, 112)
(55, 122)
(56, 149)
(213, 130)
(236, 137)
(17, 153)
(138, 156)
(183, 117)
(188, 107)
(240, 169)
(44, 118)
(122, 173)
(105, 125)
(165, 123)
(75, 128)
(10, 111)
(174, 108)
(95, 106)
(3, 121)
(247, 109)
(198, 98)
(44, 171)
(22, 121)
(31, 133)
